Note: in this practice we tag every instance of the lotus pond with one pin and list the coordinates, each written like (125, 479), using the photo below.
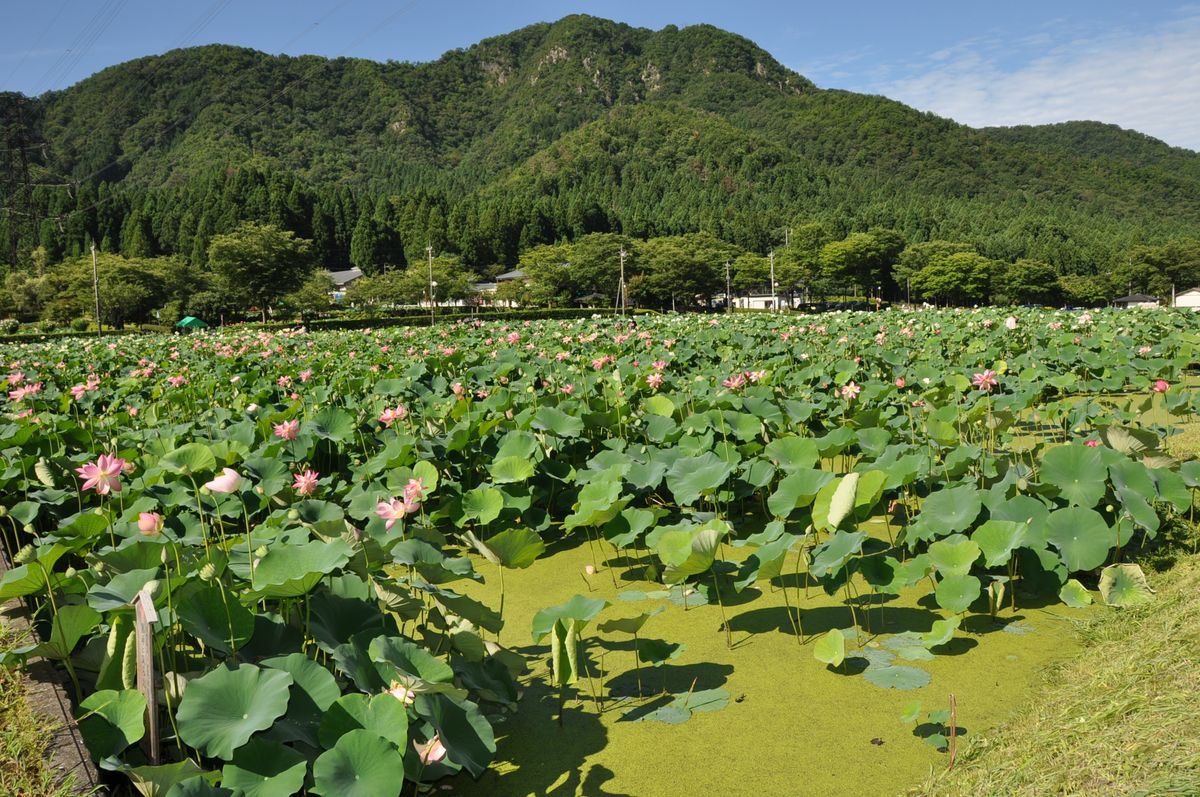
(581, 556)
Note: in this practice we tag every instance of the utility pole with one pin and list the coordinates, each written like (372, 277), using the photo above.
(429, 254)
(774, 303)
(728, 293)
(96, 289)
(621, 286)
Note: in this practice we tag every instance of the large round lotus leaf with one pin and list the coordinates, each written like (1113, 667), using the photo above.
(410, 659)
(190, 458)
(1026, 510)
(288, 571)
(223, 708)
(831, 648)
(1078, 472)
(841, 503)
(217, 620)
(384, 714)
(696, 556)
(797, 489)
(954, 555)
(951, 510)
(941, 633)
(1124, 585)
(658, 404)
(997, 539)
(110, 720)
(1075, 594)
(831, 555)
(483, 503)
(265, 769)
(897, 677)
(557, 422)
(957, 593)
(516, 548)
(1081, 536)
(464, 731)
(361, 764)
(793, 453)
(313, 691)
(332, 423)
(690, 477)
(508, 470)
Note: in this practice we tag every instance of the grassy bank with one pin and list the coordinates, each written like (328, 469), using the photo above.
(23, 741)
(1120, 718)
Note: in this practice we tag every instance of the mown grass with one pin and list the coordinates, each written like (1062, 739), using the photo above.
(1120, 718)
(24, 738)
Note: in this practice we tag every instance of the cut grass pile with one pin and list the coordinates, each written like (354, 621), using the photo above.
(24, 738)
(1120, 718)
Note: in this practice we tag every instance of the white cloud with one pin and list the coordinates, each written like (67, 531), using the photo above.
(1147, 81)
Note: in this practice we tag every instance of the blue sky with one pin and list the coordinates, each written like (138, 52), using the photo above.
(979, 62)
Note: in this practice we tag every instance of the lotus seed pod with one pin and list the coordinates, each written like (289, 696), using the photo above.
(3, 511)
(260, 552)
(1109, 507)
(98, 511)
(70, 572)
(208, 572)
(25, 555)
(29, 529)
(293, 514)
(258, 489)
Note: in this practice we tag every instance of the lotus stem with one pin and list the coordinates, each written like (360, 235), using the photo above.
(953, 731)
(724, 619)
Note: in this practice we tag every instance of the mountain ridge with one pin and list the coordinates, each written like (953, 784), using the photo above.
(704, 130)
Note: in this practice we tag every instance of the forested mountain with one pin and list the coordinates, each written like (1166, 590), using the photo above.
(550, 133)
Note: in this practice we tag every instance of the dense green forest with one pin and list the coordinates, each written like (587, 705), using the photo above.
(560, 131)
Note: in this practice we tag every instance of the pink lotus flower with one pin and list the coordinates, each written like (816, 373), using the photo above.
(1144, 350)
(850, 391)
(1011, 322)
(287, 429)
(567, 389)
(654, 380)
(177, 381)
(1161, 386)
(755, 376)
(227, 482)
(414, 494)
(1092, 443)
(390, 416)
(431, 752)
(150, 523)
(900, 383)
(24, 392)
(735, 381)
(102, 474)
(305, 483)
(658, 365)
(16, 378)
(393, 510)
(401, 693)
(307, 374)
(985, 381)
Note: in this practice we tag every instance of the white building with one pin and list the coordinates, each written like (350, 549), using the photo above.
(1189, 298)
(1136, 300)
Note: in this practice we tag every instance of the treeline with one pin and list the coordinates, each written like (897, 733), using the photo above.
(260, 269)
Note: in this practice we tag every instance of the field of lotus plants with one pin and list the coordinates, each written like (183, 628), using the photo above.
(275, 562)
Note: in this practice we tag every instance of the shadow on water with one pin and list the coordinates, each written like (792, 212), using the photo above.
(535, 755)
(818, 620)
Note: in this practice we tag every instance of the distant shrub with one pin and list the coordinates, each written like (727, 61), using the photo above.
(9, 325)
(80, 324)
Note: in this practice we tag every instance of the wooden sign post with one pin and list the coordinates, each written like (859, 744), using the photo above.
(144, 616)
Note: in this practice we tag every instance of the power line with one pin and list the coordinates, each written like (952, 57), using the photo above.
(82, 44)
(36, 42)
